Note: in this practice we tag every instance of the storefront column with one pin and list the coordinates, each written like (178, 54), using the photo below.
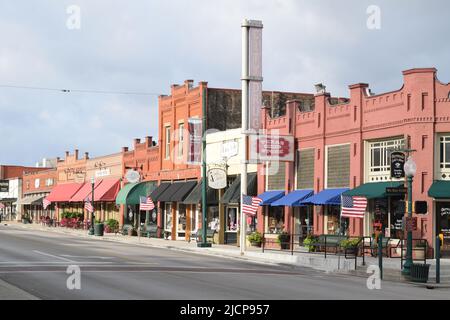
(189, 214)
(174, 221)
(221, 218)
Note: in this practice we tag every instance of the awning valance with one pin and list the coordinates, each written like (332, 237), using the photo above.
(131, 192)
(294, 198)
(195, 197)
(269, 197)
(440, 190)
(177, 191)
(373, 190)
(31, 200)
(64, 192)
(326, 197)
(107, 190)
(233, 194)
(85, 192)
(159, 191)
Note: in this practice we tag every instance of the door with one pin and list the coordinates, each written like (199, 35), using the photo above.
(181, 221)
(443, 226)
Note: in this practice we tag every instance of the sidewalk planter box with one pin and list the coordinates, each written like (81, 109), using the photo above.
(99, 229)
(418, 253)
(419, 272)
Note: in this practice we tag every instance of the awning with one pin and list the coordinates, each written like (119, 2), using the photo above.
(440, 190)
(31, 200)
(107, 190)
(233, 194)
(159, 191)
(293, 199)
(85, 191)
(177, 191)
(270, 196)
(64, 192)
(326, 197)
(372, 190)
(131, 192)
(195, 197)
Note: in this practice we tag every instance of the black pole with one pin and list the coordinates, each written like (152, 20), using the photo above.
(380, 254)
(91, 229)
(438, 259)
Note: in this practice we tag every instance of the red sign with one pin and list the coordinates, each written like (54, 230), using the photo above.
(271, 147)
(411, 223)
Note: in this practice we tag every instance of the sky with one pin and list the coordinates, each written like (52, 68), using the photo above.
(144, 46)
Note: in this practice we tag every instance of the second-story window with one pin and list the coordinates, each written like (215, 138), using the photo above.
(444, 156)
(380, 158)
(167, 147)
(180, 139)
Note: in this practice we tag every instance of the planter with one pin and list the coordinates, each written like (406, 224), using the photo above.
(99, 229)
(419, 254)
(255, 244)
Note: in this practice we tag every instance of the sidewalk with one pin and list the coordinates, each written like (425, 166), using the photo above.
(332, 264)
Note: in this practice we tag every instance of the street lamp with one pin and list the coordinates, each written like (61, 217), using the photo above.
(410, 170)
(91, 229)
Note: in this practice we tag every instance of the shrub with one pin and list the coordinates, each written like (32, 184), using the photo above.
(255, 237)
(283, 237)
(111, 225)
(309, 242)
(349, 243)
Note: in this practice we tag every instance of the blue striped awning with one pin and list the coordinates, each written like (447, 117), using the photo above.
(326, 197)
(294, 198)
(270, 196)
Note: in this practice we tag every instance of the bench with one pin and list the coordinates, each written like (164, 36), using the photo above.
(150, 230)
(329, 241)
(384, 246)
(197, 236)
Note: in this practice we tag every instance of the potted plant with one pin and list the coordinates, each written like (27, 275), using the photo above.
(309, 242)
(99, 228)
(25, 218)
(284, 240)
(255, 239)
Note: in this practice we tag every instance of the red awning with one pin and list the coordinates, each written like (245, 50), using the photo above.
(64, 192)
(85, 192)
(107, 191)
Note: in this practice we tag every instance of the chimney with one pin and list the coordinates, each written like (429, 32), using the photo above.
(124, 149)
(188, 83)
(76, 154)
(86, 155)
(57, 159)
(136, 142)
(67, 154)
(148, 141)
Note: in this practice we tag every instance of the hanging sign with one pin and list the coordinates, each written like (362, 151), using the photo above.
(255, 74)
(217, 178)
(132, 176)
(195, 141)
(397, 163)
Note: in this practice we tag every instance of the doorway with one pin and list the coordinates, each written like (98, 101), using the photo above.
(443, 226)
(181, 221)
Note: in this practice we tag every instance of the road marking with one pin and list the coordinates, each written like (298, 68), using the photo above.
(53, 256)
(87, 257)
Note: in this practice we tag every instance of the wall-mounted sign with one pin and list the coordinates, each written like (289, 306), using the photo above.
(271, 148)
(195, 141)
(217, 178)
(132, 176)
(102, 172)
(445, 211)
(410, 223)
(396, 190)
(4, 185)
(229, 149)
(397, 163)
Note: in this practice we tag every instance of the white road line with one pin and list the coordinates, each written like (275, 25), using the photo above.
(86, 257)
(53, 256)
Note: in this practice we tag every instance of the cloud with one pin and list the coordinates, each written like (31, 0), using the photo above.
(145, 46)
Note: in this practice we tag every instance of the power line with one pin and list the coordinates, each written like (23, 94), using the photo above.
(79, 90)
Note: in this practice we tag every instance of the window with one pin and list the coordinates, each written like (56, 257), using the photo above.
(232, 219)
(168, 217)
(379, 154)
(275, 222)
(276, 175)
(444, 153)
(305, 169)
(338, 166)
(167, 149)
(180, 139)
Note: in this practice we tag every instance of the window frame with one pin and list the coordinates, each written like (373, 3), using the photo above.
(167, 142)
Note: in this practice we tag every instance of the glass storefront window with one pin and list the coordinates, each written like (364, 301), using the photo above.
(443, 226)
(181, 223)
(333, 215)
(397, 212)
(213, 218)
(168, 217)
(275, 220)
(232, 221)
(194, 217)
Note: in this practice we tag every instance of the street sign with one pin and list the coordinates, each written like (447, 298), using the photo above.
(271, 147)
(4, 185)
(397, 163)
(410, 223)
(396, 190)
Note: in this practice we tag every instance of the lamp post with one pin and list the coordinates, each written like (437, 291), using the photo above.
(410, 170)
(91, 229)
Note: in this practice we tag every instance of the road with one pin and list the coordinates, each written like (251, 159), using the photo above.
(33, 264)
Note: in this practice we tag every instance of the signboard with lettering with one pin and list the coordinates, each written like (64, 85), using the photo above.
(217, 178)
(4, 185)
(229, 149)
(255, 74)
(445, 211)
(396, 190)
(397, 163)
(271, 148)
(195, 141)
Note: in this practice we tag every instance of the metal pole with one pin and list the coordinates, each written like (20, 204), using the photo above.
(204, 243)
(438, 259)
(244, 82)
(380, 254)
(91, 229)
(407, 266)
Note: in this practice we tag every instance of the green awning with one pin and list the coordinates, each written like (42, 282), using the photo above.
(373, 190)
(195, 197)
(440, 190)
(233, 194)
(131, 192)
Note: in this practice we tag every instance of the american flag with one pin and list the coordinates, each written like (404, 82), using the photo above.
(250, 204)
(353, 207)
(146, 203)
(88, 205)
(46, 203)
(2, 206)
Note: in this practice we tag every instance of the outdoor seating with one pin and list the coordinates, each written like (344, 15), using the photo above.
(384, 246)
(326, 241)
(198, 235)
(150, 230)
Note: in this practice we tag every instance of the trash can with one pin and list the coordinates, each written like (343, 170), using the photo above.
(419, 272)
(99, 228)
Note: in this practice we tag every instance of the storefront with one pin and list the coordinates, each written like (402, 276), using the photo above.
(440, 191)
(60, 197)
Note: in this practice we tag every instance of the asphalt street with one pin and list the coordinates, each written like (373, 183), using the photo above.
(33, 265)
